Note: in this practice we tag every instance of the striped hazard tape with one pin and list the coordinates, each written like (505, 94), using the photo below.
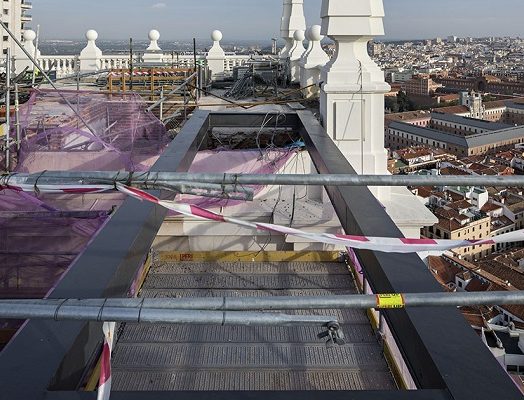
(386, 245)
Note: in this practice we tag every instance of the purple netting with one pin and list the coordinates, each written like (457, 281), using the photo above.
(40, 236)
(126, 136)
(36, 248)
(237, 161)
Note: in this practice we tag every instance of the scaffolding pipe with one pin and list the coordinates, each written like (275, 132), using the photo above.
(17, 118)
(283, 303)
(8, 109)
(99, 311)
(285, 180)
(42, 183)
(172, 92)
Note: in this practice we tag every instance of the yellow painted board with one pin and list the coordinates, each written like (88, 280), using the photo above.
(277, 256)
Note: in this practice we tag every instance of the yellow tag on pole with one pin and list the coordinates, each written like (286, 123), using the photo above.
(391, 301)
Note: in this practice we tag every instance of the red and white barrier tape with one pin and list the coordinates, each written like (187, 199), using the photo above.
(386, 245)
(104, 387)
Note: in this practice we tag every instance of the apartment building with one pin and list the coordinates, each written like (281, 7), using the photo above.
(15, 16)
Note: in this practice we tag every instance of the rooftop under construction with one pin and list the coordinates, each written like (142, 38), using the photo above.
(181, 231)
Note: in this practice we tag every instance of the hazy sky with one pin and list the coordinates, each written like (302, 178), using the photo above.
(260, 19)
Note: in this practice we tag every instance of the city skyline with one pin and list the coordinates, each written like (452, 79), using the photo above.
(476, 18)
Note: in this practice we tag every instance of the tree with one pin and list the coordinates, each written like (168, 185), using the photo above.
(404, 103)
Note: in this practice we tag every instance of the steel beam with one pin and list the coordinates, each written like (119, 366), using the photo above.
(439, 347)
(47, 354)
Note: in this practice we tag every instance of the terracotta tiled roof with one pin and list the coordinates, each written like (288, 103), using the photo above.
(446, 213)
(453, 171)
(454, 110)
(442, 270)
(460, 205)
(476, 285)
(454, 196)
(504, 273)
(490, 207)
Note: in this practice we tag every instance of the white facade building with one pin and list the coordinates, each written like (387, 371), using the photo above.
(14, 15)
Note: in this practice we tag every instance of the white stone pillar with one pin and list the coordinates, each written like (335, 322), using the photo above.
(216, 56)
(352, 102)
(293, 19)
(21, 60)
(90, 57)
(352, 95)
(153, 53)
(295, 55)
(312, 62)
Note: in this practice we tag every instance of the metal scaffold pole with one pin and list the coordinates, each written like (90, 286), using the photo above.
(144, 178)
(17, 118)
(276, 303)
(99, 311)
(8, 109)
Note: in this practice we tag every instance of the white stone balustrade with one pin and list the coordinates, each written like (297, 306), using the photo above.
(62, 65)
(312, 62)
(92, 59)
(114, 62)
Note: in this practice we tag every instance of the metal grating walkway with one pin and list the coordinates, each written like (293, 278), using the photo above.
(212, 358)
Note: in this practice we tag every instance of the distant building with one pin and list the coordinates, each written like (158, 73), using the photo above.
(462, 221)
(400, 76)
(509, 112)
(456, 135)
(474, 103)
(15, 17)
(420, 85)
(483, 84)
(375, 49)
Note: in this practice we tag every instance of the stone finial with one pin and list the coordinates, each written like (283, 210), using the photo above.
(216, 55)
(293, 19)
(91, 54)
(154, 35)
(312, 62)
(21, 60)
(295, 55)
(310, 43)
(315, 55)
(216, 49)
(29, 39)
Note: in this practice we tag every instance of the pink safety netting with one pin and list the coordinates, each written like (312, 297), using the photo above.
(41, 235)
(265, 162)
(110, 132)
